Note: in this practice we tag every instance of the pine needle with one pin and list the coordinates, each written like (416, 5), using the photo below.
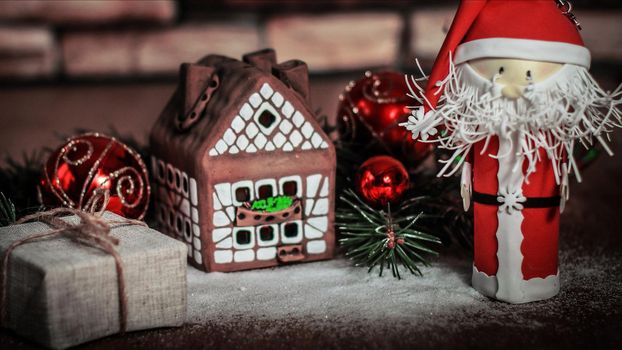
(373, 238)
(7, 211)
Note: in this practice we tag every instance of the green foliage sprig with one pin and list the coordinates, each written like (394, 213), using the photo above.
(376, 238)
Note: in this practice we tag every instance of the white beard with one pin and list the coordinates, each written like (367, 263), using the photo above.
(552, 115)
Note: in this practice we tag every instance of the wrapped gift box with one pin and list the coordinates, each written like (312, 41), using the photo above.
(62, 293)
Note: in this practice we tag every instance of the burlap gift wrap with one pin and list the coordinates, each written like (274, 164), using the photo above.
(61, 293)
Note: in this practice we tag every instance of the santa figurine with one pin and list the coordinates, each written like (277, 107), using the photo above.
(510, 96)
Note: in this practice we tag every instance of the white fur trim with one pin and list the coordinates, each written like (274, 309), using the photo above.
(486, 285)
(541, 288)
(536, 50)
(509, 235)
(534, 289)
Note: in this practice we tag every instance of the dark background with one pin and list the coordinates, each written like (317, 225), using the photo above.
(102, 65)
(95, 64)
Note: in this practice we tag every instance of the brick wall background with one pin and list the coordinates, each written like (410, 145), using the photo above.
(77, 40)
(68, 65)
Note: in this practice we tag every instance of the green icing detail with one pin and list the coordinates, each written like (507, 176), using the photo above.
(272, 204)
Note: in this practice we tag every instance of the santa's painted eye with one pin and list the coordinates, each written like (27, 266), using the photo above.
(529, 76)
(501, 70)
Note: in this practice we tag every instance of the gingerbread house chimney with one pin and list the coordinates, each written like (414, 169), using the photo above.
(263, 59)
(295, 74)
(194, 79)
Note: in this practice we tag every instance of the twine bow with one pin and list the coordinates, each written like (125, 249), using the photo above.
(92, 230)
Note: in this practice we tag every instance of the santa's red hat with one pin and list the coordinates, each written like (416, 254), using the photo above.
(539, 30)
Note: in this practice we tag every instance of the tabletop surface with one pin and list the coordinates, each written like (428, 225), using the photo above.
(335, 305)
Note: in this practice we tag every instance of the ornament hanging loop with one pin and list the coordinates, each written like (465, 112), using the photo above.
(566, 8)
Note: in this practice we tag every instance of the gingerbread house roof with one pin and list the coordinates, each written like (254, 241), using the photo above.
(224, 106)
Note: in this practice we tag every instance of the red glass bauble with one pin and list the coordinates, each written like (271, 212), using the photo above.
(90, 168)
(372, 108)
(382, 180)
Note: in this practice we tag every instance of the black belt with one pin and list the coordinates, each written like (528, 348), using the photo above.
(531, 202)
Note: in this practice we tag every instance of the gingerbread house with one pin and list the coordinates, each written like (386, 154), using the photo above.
(243, 173)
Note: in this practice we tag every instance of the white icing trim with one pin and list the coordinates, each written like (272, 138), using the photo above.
(244, 255)
(316, 247)
(223, 256)
(266, 253)
(536, 50)
(197, 257)
(223, 191)
(313, 184)
(220, 233)
(277, 99)
(266, 91)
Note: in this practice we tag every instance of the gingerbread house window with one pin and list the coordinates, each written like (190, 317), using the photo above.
(243, 194)
(184, 185)
(177, 179)
(266, 119)
(268, 235)
(243, 238)
(170, 176)
(266, 188)
(291, 232)
(291, 186)
(187, 229)
(265, 191)
(171, 219)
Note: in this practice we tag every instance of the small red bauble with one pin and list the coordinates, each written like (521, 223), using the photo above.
(381, 180)
(91, 167)
(372, 109)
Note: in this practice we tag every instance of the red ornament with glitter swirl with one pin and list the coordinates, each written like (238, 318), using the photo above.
(92, 169)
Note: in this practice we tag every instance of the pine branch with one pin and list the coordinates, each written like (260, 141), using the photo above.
(7, 211)
(377, 239)
(19, 179)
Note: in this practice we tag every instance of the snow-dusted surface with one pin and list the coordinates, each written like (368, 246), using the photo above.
(329, 290)
(335, 296)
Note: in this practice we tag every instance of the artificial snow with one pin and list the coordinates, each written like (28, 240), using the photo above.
(328, 289)
(335, 291)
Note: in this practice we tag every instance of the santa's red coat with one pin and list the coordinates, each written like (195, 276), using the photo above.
(539, 228)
